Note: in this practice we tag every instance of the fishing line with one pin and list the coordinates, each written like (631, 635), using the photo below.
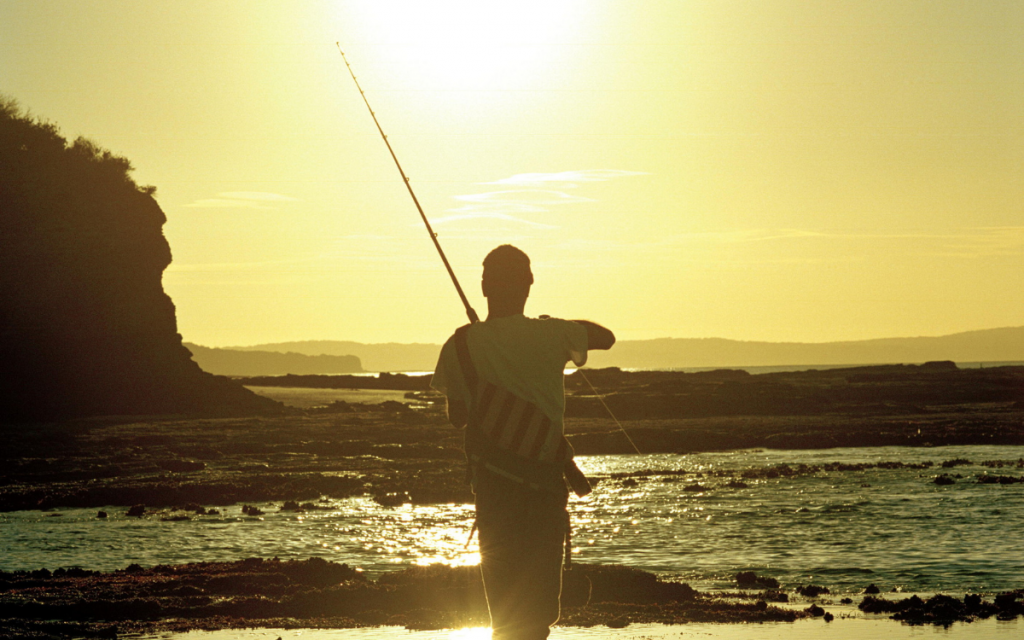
(470, 312)
(608, 409)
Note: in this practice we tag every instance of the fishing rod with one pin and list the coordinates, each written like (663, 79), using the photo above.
(470, 312)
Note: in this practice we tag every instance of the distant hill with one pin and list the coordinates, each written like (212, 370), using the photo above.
(230, 362)
(390, 356)
(988, 345)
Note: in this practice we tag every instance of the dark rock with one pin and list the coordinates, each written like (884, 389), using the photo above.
(812, 591)
(250, 510)
(871, 589)
(137, 511)
(586, 583)
(987, 479)
(815, 611)
(85, 326)
(846, 601)
(943, 480)
(316, 593)
(1007, 601)
(956, 462)
(101, 514)
(939, 609)
(618, 622)
(750, 580)
(829, 617)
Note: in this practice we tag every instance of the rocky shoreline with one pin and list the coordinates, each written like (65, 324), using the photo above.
(314, 593)
(397, 453)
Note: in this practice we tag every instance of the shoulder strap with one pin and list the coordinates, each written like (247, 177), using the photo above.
(465, 361)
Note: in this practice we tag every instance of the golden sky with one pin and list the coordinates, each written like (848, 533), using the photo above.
(783, 170)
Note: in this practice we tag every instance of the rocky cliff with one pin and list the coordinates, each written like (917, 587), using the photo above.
(85, 326)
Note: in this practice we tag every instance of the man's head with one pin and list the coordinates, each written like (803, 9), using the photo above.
(507, 275)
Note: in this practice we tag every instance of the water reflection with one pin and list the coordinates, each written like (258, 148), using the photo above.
(700, 518)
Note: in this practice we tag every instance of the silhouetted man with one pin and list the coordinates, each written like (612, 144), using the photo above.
(503, 380)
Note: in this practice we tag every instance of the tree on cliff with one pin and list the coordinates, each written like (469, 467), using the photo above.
(85, 326)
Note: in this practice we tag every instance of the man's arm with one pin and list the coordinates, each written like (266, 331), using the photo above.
(597, 336)
(458, 413)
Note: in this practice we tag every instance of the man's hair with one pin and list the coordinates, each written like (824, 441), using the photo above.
(508, 267)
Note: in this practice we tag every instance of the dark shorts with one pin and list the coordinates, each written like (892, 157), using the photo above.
(522, 538)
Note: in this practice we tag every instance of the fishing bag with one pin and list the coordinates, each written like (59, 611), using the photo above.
(512, 437)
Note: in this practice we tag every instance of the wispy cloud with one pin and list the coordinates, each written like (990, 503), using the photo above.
(565, 179)
(475, 214)
(242, 200)
(533, 197)
(509, 205)
(987, 242)
(532, 193)
(827, 246)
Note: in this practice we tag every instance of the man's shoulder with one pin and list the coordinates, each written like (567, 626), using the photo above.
(455, 335)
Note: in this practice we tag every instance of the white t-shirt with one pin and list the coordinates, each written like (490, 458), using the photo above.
(526, 356)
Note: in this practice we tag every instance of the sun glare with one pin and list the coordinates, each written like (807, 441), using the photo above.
(461, 44)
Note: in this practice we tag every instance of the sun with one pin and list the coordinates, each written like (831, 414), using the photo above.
(460, 44)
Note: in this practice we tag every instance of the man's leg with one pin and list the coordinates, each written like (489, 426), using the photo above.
(522, 533)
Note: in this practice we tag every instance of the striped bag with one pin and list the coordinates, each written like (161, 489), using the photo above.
(511, 435)
(517, 425)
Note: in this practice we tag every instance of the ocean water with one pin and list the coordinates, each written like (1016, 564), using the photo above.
(889, 525)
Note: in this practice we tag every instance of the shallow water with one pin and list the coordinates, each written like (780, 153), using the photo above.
(841, 529)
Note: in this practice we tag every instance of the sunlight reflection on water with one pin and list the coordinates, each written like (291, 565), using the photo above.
(843, 529)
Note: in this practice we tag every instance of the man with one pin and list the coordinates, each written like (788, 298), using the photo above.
(503, 381)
